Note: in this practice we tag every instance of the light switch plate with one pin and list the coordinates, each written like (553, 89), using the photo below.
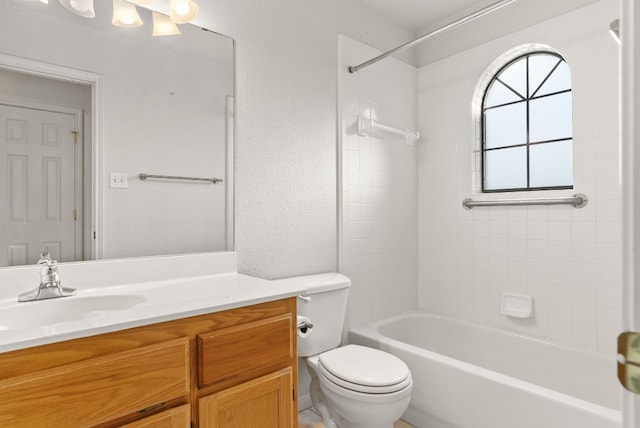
(118, 180)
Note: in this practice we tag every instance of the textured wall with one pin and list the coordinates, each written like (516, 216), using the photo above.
(286, 58)
(568, 259)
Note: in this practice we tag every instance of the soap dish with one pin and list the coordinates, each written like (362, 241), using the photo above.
(517, 305)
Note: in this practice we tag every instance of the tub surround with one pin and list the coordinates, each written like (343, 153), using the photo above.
(155, 289)
(569, 260)
(378, 205)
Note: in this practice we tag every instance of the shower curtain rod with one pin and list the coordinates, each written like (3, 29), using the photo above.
(491, 8)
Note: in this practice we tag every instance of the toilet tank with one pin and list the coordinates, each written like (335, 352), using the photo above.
(325, 304)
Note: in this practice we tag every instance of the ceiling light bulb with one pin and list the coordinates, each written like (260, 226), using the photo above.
(83, 8)
(163, 26)
(182, 11)
(125, 14)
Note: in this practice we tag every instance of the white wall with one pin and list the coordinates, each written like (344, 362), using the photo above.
(379, 199)
(286, 124)
(568, 259)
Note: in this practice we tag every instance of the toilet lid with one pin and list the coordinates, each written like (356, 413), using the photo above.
(365, 369)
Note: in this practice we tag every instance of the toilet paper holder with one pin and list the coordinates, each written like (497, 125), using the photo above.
(304, 324)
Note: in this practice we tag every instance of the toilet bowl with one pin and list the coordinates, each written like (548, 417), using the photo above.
(358, 387)
(351, 386)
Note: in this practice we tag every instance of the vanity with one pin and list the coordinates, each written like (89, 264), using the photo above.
(217, 349)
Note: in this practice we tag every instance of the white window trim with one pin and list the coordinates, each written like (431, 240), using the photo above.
(476, 105)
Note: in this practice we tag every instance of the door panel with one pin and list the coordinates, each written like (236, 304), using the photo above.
(38, 186)
(264, 402)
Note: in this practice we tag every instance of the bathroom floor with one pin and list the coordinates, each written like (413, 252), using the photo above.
(310, 419)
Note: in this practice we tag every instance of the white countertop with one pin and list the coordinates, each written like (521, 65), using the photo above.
(106, 309)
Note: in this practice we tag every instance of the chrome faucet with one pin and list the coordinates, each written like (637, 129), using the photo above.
(49, 287)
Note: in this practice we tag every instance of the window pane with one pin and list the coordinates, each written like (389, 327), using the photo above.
(505, 168)
(499, 94)
(515, 76)
(550, 118)
(506, 126)
(560, 80)
(539, 68)
(551, 164)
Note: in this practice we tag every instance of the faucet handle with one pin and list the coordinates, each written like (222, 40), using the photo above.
(45, 258)
(49, 274)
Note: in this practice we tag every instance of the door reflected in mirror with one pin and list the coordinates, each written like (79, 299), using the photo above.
(86, 108)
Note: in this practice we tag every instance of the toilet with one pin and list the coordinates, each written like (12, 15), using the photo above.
(351, 386)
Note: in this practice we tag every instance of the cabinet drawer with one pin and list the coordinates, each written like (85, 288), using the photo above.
(97, 390)
(245, 351)
(178, 417)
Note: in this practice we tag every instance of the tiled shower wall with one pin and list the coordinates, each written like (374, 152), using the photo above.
(378, 207)
(568, 259)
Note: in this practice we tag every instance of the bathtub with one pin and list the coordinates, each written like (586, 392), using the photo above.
(467, 376)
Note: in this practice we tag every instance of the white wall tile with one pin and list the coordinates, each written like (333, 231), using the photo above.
(568, 259)
(379, 240)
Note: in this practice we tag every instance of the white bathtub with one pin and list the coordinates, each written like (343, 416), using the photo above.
(467, 376)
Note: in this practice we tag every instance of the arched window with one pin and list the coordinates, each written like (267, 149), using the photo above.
(527, 139)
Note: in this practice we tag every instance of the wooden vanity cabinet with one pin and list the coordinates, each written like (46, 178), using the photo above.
(177, 417)
(230, 369)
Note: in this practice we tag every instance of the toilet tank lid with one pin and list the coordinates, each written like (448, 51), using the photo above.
(319, 282)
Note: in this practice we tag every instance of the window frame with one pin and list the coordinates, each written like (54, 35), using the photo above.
(527, 101)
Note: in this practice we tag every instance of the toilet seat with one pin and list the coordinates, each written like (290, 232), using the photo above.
(365, 370)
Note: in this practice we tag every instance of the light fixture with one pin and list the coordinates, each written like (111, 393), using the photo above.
(80, 7)
(182, 11)
(125, 14)
(44, 1)
(163, 26)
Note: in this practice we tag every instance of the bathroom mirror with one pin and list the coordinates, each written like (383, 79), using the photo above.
(86, 107)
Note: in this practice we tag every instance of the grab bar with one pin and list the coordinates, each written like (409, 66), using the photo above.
(578, 200)
(365, 126)
(176, 177)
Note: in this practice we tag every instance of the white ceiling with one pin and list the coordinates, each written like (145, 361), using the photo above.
(423, 16)
(420, 14)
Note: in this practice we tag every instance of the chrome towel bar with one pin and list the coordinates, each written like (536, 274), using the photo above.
(175, 177)
(578, 200)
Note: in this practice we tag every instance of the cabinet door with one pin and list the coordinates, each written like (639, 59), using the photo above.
(265, 402)
(172, 418)
(98, 390)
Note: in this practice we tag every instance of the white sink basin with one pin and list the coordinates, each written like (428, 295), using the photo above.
(53, 311)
